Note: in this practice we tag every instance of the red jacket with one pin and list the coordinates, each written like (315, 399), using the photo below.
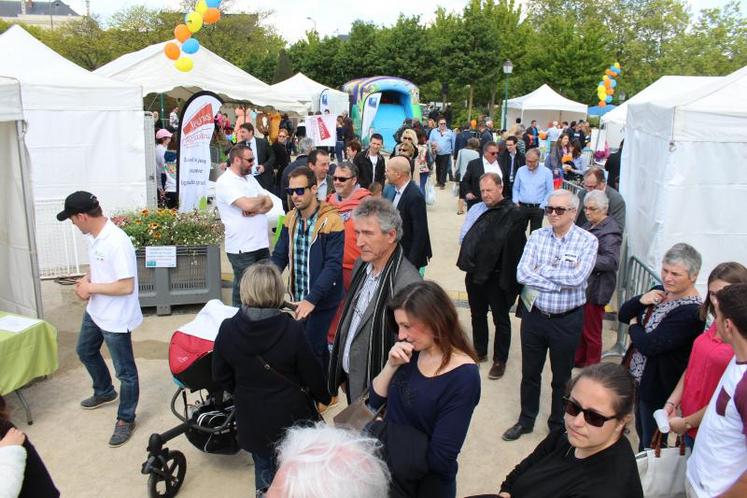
(350, 251)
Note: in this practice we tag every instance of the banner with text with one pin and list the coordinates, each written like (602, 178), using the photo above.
(322, 129)
(193, 155)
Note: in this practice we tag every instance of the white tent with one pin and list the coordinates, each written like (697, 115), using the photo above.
(545, 105)
(309, 92)
(613, 123)
(682, 173)
(155, 73)
(19, 270)
(85, 132)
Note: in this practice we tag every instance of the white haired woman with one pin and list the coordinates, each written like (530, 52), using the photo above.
(261, 355)
(664, 322)
(601, 283)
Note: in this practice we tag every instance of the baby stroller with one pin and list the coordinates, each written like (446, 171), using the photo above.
(208, 423)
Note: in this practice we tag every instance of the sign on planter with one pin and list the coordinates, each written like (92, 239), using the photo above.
(160, 256)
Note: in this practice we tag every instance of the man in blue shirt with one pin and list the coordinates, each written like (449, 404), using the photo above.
(441, 143)
(531, 187)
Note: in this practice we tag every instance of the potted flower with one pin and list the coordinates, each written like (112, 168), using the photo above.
(178, 256)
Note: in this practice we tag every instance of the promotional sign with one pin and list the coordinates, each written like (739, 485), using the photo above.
(322, 129)
(160, 256)
(369, 113)
(193, 155)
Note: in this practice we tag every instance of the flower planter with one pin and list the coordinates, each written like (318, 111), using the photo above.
(195, 280)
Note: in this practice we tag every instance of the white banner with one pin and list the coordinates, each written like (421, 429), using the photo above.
(196, 130)
(322, 129)
(324, 101)
(369, 113)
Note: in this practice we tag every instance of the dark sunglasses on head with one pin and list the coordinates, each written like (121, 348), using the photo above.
(298, 191)
(590, 416)
(341, 178)
(558, 210)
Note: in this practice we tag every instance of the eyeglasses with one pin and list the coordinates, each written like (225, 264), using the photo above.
(590, 416)
(442, 123)
(589, 188)
(250, 160)
(407, 138)
(341, 179)
(558, 210)
(494, 153)
(589, 208)
(299, 191)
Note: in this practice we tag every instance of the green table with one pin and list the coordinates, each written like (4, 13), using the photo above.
(26, 355)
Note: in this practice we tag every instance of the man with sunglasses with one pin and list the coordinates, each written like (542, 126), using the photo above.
(488, 163)
(554, 268)
(311, 246)
(242, 204)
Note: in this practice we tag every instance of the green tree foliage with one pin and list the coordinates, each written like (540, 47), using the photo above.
(283, 69)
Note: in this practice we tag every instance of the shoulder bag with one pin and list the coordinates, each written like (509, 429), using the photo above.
(663, 470)
(313, 408)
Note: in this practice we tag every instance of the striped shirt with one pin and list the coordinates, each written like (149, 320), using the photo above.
(558, 267)
(301, 247)
(362, 300)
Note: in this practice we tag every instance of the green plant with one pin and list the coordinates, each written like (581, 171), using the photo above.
(167, 227)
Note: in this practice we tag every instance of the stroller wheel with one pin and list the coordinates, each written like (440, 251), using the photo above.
(166, 481)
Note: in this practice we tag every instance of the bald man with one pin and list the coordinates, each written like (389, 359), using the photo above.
(410, 203)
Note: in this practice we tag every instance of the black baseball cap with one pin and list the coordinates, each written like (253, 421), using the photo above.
(76, 203)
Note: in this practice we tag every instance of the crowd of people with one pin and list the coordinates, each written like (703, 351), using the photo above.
(357, 319)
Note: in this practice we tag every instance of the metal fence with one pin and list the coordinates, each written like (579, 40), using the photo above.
(633, 279)
(573, 187)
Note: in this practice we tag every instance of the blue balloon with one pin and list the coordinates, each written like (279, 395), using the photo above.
(601, 83)
(613, 84)
(608, 99)
(212, 3)
(190, 46)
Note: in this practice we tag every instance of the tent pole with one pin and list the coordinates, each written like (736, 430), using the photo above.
(161, 116)
(30, 218)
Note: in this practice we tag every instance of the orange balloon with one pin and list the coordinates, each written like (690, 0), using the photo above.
(211, 16)
(172, 51)
(608, 83)
(182, 33)
(610, 91)
(602, 103)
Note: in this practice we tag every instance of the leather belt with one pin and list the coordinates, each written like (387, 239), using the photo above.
(526, 204)
(555, 315)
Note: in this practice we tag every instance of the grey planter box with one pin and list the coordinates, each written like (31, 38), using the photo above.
(195, 280)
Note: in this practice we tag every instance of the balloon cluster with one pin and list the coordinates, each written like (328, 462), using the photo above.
(206, 12)
(606, 87)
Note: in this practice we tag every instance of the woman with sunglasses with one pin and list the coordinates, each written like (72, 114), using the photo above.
(591, 457)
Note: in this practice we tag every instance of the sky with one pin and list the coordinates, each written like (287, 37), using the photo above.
(328, 17)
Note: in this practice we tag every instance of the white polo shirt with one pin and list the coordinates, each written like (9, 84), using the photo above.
(112, 258)
(243, 233)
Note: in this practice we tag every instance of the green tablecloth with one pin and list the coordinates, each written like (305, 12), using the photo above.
(26, 355)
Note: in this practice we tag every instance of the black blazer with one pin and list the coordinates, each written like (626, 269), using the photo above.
(365, 167)
(471, 180)
(266, 404)
(504, 159)
(265, 156)
(416, 241)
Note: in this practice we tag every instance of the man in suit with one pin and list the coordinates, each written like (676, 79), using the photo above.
(594, 180)
(410, 203)
(510, 160)
(264, 157)
(370, 162)
(488, 163)
(366, 332)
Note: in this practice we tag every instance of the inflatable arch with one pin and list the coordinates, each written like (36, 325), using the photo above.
(379, 104)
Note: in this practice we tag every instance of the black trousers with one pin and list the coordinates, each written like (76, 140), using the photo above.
(484, 296)
(534, 216)
(443, 166)
(559, 335)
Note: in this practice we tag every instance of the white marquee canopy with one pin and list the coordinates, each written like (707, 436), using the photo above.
(544, 104)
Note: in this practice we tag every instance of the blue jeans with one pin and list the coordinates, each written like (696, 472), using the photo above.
(264, 470)
(339, 148)
(316, 326)
(120, 348)
(240, 262)
(645, 425)
(423, 181)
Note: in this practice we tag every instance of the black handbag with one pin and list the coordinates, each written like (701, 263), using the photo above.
(313, 408)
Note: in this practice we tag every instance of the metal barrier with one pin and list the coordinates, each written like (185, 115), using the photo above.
(637, 279)
(573, 187)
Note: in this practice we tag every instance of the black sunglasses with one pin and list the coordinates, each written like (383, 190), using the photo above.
(341, 178)
(250, 160)
(298, 190)
(558, 210)
(590, 416)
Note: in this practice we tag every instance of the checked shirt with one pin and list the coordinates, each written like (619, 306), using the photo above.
(301, 247)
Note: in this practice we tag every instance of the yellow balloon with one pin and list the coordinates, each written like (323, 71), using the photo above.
(193, 21)
(184, 64)
(201, 7)
(604, 78)
(617, 65)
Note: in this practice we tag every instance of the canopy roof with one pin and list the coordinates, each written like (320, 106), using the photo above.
(302, 88)
(545, 98)
(51, 82)
(155, 73)
(10, 100)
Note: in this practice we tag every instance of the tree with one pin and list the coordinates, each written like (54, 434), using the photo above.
(283, 69)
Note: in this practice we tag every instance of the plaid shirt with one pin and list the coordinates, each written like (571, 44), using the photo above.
(301, 247)
(558, 267)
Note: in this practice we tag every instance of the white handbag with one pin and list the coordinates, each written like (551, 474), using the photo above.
(663, 470)
(430, 192)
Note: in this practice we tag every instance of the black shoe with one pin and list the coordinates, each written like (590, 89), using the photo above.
(96, 401)
(482, 358)
(497, 370)
(515, 432)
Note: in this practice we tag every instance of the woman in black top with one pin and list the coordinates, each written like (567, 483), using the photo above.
(282, 157)
(261, 356)
(591, 457)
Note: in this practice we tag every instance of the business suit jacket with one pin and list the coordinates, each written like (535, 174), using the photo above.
(358, 356)
(616, 208)
(265, 156)
(416, 241)
(365, 169)
(504, 159)
(471, 181)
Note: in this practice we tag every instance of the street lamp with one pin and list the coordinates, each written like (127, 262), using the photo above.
(621, 96)
(314, 22)
(508, 68)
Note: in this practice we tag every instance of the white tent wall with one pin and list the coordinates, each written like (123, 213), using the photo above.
(543, 117)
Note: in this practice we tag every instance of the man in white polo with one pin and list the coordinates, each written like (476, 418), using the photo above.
(242, 204)
(113, 310)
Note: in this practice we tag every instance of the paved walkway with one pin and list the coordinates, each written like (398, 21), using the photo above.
(73, 442)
